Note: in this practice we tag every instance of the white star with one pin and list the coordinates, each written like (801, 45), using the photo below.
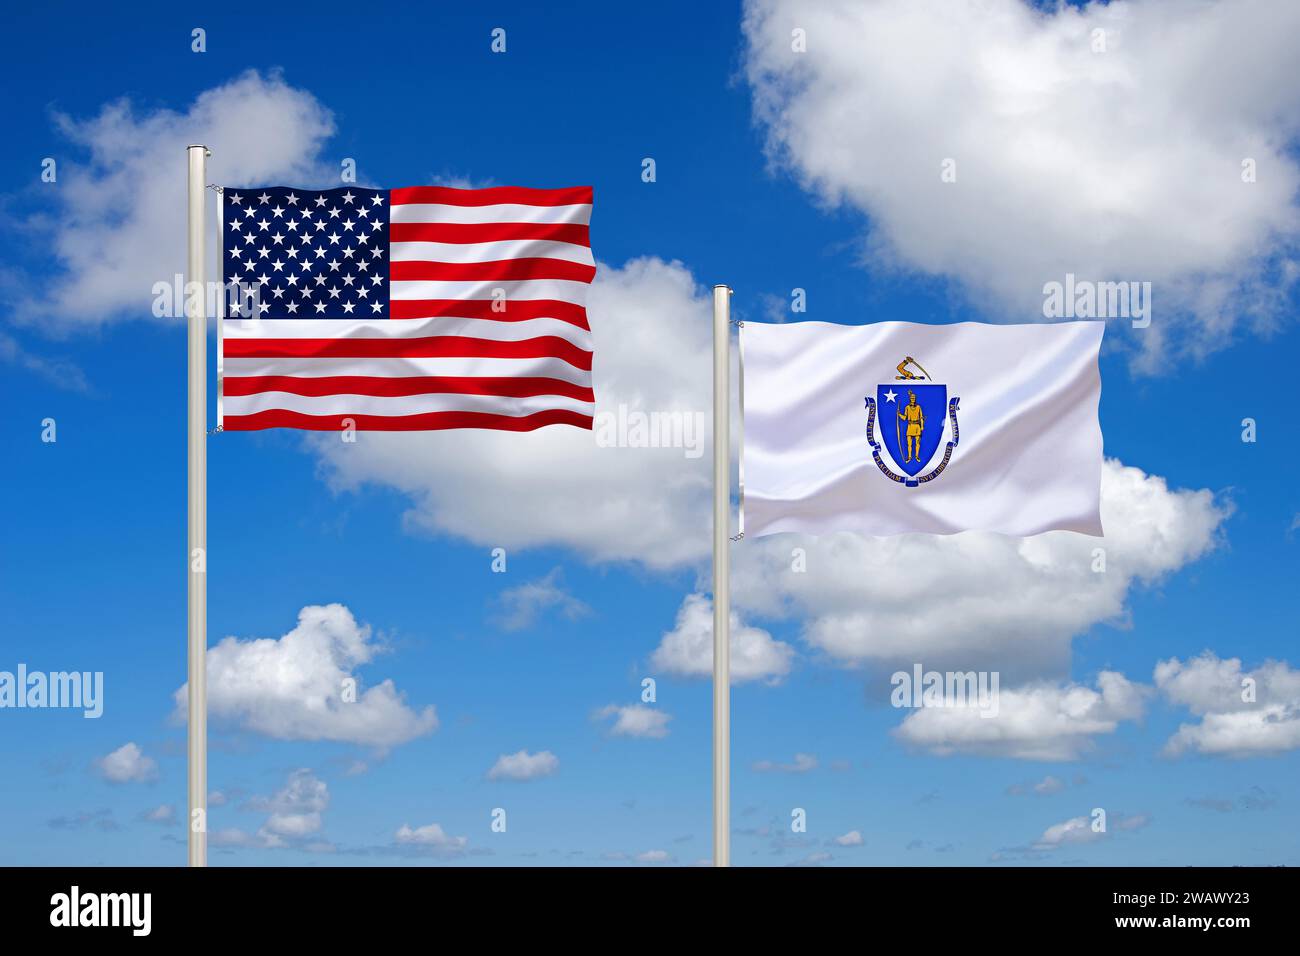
(320, 307)
(377, 199)
(291, 307)
(320, 200)
(348, 307)
(293, 200)
(348, 197)
(376, 307)
(264, 199)
(891, 395)
(278, 210)
(236, 198)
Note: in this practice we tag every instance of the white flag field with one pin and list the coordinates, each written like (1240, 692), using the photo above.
(897, 427)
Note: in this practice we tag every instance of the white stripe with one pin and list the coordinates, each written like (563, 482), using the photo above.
(578, 214)
(406, 329)
(401, 404)
(392, 367)
(490, 251)
(564, 290)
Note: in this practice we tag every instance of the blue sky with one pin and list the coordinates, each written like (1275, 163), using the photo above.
(771, 174)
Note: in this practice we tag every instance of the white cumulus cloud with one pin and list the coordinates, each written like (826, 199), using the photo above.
(975, 600)
(1078, 830)
(650, 323)
(127, 764)
(119, 225)
(521, 606)
(1035, 722)
(687, 650)
(1125, 164)
(293, 687)
(523, 766)
(852, 838)
(430, 837)
(635, 720)
(1242, 713)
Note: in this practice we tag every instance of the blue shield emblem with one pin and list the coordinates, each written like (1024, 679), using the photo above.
(911, 422)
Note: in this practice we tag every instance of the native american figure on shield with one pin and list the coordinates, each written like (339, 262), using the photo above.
(913, 414)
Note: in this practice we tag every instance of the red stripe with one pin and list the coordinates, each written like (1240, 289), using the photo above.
(404, 385)
(429, 421)
(490, 271)
(488, 232)
(434, 346)
(574, 196)
(518, 310)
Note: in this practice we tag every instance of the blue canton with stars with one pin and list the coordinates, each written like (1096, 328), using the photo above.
(305, 253)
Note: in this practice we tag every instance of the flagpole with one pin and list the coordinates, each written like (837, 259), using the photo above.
(197, 628)
(721, 576)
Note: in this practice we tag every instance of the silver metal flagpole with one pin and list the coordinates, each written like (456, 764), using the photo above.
(197, 322)
(721, 576)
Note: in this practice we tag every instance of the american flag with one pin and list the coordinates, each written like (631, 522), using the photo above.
(405, 309)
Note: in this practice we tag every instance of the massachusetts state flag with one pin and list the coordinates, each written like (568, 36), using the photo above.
(405, 309)
(896, 427)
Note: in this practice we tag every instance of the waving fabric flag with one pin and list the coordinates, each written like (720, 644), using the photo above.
(405, 309)
(896, 427)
